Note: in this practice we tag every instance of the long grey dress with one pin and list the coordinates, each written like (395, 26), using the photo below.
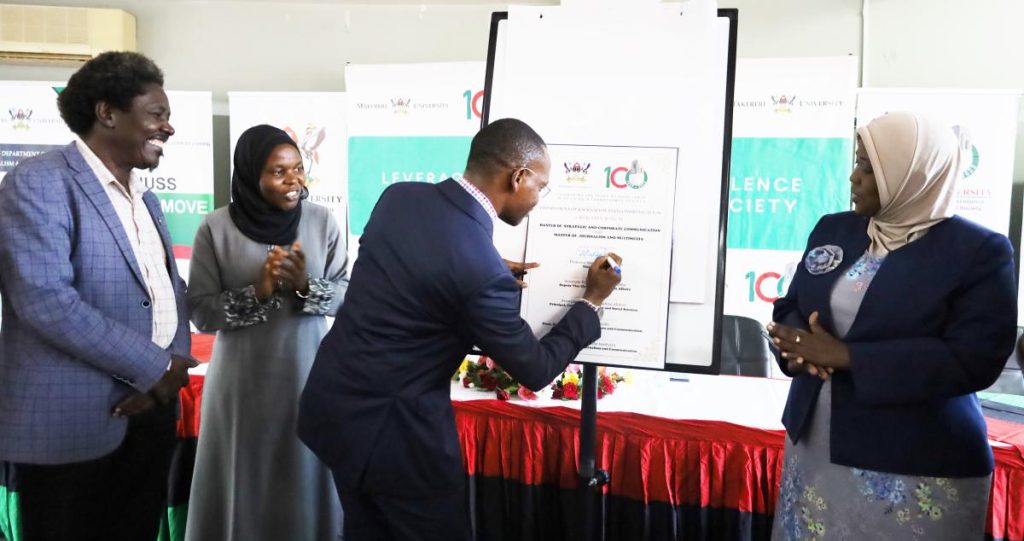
(254, 480)
(819, 500)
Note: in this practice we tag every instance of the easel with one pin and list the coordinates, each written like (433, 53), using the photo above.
(592, 479)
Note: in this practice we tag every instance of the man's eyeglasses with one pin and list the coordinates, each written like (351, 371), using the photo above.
(544, 190)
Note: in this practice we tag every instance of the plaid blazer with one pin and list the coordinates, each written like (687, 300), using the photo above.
(76, 334)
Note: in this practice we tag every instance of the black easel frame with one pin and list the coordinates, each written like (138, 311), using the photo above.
(591, 478)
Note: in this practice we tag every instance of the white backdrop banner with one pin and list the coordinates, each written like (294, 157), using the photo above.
(29, 123)
(32, 125)
(408, 123)
(990, 120)
(317, 122)
(791, 161)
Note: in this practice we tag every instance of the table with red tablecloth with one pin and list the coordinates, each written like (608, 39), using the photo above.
(670, 478)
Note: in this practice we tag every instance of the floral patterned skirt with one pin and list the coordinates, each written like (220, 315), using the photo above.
(820, 500)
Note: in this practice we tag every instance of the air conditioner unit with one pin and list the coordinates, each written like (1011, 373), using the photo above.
(61, 34)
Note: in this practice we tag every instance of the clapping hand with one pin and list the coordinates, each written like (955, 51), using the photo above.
(291, 270)
(283, 270)
(267, 282)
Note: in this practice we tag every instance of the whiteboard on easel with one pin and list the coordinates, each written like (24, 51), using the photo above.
(652, 76)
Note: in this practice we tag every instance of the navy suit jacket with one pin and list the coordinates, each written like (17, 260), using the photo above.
(77, 323)
(936, 324)
(428, 285)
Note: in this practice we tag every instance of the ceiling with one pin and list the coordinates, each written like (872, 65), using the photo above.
(402, 2)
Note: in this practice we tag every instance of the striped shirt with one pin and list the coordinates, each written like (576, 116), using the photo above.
(479, 196)
(146, 244)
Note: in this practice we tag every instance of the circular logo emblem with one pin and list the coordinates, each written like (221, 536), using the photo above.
(635, 185)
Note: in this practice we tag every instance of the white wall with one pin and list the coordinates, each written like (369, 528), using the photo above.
(223, 45)
(235, 45)
(795, 28)
(948, 44)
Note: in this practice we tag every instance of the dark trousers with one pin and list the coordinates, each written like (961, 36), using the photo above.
(375, 517)
(118, 497)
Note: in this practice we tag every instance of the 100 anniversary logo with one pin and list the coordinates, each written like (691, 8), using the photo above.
(975, 155)
(634, 176)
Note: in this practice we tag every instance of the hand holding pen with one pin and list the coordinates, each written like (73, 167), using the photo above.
(604, 274)
(613, 262)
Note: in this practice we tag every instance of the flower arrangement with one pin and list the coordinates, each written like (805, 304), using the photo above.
(568, 386)
(485, 375)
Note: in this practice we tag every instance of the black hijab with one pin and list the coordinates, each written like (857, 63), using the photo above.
(253, 216)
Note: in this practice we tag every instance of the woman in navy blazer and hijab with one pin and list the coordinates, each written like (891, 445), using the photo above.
(899, 313)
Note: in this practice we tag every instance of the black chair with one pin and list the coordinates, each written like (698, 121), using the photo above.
(746, 350)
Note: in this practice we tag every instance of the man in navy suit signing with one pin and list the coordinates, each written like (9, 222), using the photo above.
(95, 339)
(427, 286)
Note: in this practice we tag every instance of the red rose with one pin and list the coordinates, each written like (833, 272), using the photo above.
(503, 394)
(556, 393)
(489, 362)
(466, 381)
(488, 382)
(570, 391)
(607, 385)
(482, 360)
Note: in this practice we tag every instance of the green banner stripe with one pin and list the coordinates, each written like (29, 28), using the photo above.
(184, 213)
(172, 525)
(10, 515)
(780, 187)
(377, 162)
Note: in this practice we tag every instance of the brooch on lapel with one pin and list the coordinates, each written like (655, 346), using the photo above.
(823, 259)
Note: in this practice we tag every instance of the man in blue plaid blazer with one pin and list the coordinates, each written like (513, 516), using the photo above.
(94, 343)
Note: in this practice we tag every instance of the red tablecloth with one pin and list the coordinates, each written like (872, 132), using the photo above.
(708, 464)
(703, 465)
